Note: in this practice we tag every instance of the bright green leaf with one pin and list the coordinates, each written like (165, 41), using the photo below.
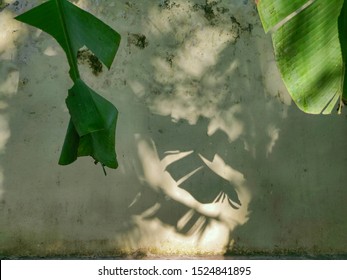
(308, 54)
(343, 41)
(272, 12)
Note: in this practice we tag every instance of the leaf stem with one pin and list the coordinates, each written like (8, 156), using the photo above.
(74, 73)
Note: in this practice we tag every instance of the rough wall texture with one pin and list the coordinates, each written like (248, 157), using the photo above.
(213, 155)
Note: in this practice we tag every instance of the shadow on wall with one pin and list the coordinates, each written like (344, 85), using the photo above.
(212, 156)
(205, 90)
(229, 138)
(9, 78)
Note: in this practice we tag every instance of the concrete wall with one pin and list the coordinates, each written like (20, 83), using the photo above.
(213, 154)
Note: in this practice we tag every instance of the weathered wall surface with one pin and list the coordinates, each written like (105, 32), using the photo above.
(212, 153)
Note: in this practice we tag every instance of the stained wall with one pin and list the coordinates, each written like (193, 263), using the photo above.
(213, 155)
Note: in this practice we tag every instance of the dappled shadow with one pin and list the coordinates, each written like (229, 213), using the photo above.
(233, 92)
(212, 118)
(299, 203)
(9, 77)
(211, 153)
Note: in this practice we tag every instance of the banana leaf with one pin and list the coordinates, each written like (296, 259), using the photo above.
(91, 130)
(74, 28)
(307, 48)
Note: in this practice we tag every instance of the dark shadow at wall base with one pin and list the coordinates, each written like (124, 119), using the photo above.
(282, 254)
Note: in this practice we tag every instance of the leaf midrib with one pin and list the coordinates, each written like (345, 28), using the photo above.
(69, 50)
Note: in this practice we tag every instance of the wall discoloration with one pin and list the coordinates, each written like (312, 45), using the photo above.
(214, 158)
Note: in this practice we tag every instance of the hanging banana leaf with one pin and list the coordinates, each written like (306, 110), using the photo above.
(74, 28)
(92, 126)
(307, 50)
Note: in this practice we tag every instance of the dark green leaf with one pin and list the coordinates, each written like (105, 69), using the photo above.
(89, 111)
(74, 28)
(92, 127)
(70, 148)
(91, 130)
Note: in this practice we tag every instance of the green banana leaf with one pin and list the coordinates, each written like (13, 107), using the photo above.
(343, 42)
(74, 28)
(91, 130)
(272, 12)
(89, 111)
(307, 50)
(92, 144)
